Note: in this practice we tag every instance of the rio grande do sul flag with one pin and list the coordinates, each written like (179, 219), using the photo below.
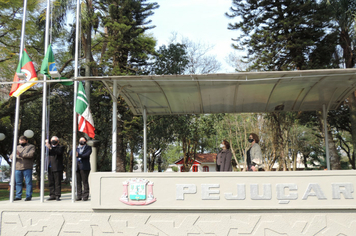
(25, 66)
(85, 119)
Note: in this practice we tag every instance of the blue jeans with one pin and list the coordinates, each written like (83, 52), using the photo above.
(19, 174)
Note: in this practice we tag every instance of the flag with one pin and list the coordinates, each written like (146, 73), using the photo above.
(85, 119)
(49, 65)
(25, 66)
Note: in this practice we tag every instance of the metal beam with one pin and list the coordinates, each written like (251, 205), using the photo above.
(44, 110)
(17, 111)
(326, 138)
(144, 139)
(75, 123)
(114, 128)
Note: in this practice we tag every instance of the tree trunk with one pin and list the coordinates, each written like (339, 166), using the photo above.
(120, 158)
(335, 163)
(352, 105)
(131, 160)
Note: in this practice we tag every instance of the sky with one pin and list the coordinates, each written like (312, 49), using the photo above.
(198, 20)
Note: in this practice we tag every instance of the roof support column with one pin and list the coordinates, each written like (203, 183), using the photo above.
(144, 139)
(326, 139)
(114, 127)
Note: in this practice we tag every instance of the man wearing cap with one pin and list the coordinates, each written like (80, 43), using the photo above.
(24, 167)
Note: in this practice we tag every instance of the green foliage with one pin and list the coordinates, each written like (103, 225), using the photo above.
(126, 23)
(171, 60)
(280, 35)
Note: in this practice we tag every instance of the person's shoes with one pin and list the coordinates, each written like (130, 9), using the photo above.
(28, 199)
(58, 198)
(17, 199)
(78, 199)
(51, 198)
(85, 199)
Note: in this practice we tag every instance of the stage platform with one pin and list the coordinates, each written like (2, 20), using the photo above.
(224, 204)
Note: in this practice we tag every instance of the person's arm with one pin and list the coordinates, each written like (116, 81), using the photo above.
(58, 150)
(86, 153)
(30, 152)
(227, 163)
(257, 155)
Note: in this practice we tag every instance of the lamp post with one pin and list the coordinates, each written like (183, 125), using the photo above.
(28, 133)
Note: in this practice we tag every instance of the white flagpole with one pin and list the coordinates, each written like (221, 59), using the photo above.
(44, 108)
(14, 147)
(74, 158)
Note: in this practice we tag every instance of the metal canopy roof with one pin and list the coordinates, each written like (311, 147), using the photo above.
(234, 93)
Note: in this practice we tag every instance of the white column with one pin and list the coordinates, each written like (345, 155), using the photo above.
(75, 123)
(144, 139)
(17, 109)
(114, 127)
(326, 138)
(44, 110)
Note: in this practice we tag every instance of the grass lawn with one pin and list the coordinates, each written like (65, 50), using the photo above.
(5, 194)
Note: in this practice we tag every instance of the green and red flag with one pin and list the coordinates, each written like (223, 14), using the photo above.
(85, 119)
(25, 66)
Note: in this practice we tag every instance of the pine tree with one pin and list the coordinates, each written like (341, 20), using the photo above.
(278, 35)
(126, 23)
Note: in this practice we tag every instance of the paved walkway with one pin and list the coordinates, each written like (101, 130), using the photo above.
(35, 204)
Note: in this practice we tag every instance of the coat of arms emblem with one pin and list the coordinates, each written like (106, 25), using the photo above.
(137, 192)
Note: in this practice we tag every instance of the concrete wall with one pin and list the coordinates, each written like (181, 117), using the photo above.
(262, 203)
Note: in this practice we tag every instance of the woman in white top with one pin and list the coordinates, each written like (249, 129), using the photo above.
(254, 153)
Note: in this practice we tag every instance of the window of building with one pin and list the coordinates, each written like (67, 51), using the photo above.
(205, 168)
(195, 168)
(182, 169)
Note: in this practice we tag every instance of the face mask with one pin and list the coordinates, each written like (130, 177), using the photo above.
(82, 143)
(54, 142)
(222, 145)
(23, 144)
(250, 140)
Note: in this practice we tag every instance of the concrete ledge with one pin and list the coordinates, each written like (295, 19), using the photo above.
(242, 218)
(224, 191)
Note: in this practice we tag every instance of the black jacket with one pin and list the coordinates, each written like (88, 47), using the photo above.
(56, 158)
(84, 163)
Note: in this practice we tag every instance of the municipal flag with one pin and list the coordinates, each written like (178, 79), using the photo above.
(49, 65)
(25, 66)
(85, 119)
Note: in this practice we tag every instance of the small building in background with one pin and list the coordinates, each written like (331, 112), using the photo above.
(202, 163)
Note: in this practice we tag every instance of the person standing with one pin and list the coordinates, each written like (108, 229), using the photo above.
(55, 168)
(24, 167)
(83, 169)
(254, 153)
(223, 159)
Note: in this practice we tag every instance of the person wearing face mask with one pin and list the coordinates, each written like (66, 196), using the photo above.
(254, 153)
(55, 168)
(223, 159)
(24, 166)
(83, 169)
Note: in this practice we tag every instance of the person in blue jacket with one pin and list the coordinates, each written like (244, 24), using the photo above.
(83, 169)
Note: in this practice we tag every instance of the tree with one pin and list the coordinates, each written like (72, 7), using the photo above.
(278, 35)
(171, 60)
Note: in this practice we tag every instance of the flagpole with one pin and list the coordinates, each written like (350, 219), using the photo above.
(17, 111)
(44, 108)
(74, 158)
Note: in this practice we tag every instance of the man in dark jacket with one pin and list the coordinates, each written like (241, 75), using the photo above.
(83, 169)
(24, 166)
(55, 168)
